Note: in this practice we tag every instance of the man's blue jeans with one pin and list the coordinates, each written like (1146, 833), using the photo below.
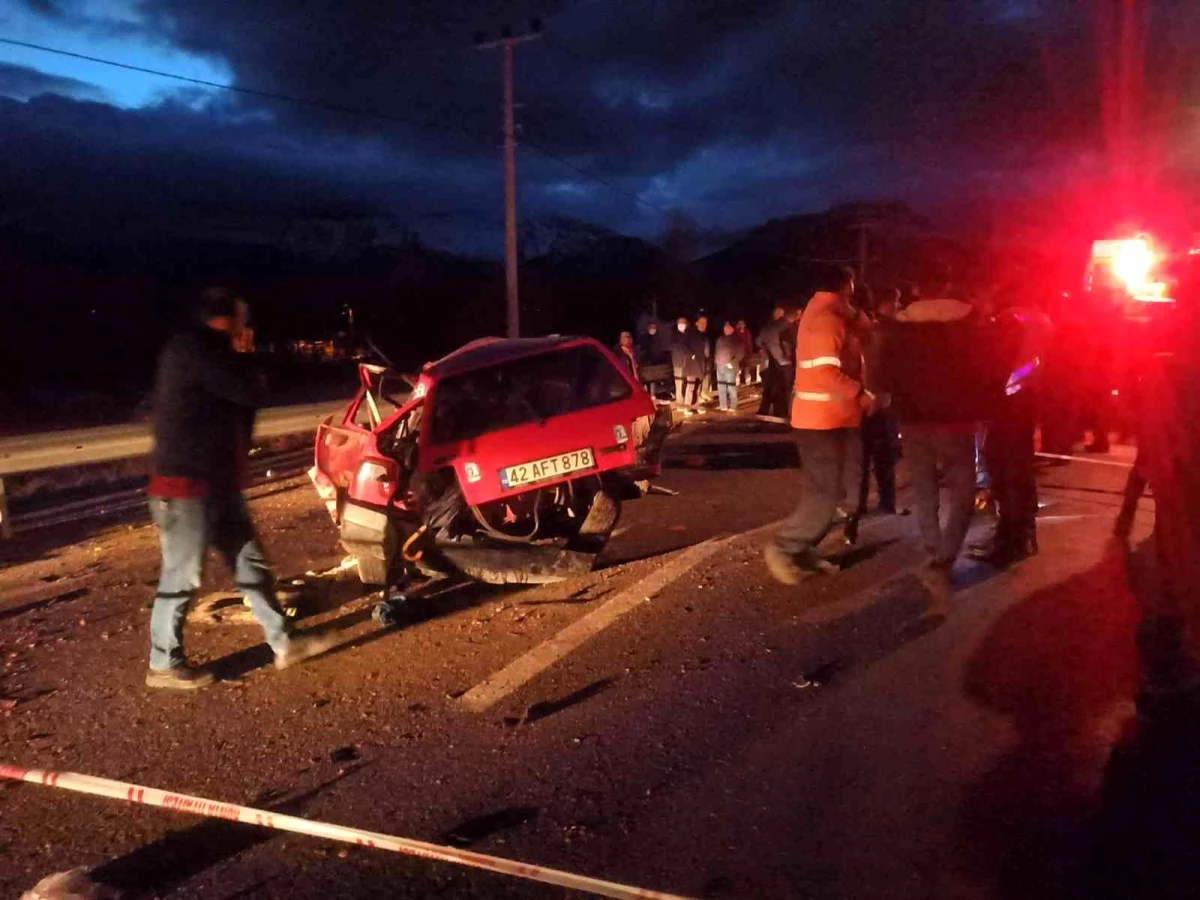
(186, 529)
(727, 391)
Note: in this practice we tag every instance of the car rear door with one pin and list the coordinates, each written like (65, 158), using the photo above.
(342, 439)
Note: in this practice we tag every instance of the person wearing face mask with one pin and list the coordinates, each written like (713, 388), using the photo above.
(828, 402)
(688, 360)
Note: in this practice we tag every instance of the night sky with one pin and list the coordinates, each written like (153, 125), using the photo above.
(729, 112)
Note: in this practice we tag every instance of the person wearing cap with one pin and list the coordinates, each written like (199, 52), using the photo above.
(829, 399)
(204, 405)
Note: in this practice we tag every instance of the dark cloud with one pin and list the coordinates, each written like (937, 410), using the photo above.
(22, 83)
(732, 111)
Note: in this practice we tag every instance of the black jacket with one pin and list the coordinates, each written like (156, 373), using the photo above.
(687, 353)
(652, 349)
(204, 404)
(937, 372)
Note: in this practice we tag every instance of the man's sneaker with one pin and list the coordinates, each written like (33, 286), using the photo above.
(789, 569)
(182, 677)
(302, 648)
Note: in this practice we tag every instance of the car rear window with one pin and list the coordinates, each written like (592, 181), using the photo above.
(531, 389)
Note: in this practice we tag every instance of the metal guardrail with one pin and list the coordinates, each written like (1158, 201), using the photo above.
(59, 449)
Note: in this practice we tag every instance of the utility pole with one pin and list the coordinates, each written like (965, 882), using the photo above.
(506, 42)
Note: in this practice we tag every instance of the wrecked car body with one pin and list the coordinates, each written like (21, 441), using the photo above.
(506, 461)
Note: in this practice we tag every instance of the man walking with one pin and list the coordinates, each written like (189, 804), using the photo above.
(827, 407)
(728, 355)
(929, 363)
(203, 418)
(774, 339)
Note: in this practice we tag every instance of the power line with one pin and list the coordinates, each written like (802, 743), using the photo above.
(426, 124)
(238, 89)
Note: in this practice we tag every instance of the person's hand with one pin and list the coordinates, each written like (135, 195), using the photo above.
(868, 403)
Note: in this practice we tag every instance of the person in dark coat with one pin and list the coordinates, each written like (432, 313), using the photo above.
(688, 359)
(880, 436)
(929, 363)
(652, 349)
(777, 340)
(626, 353)
(708, 383)
(746, 376)
(1019, 335)
(204, 405)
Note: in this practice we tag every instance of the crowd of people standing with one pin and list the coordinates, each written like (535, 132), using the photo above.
(851, 373)
(947, 374)
(691, 365)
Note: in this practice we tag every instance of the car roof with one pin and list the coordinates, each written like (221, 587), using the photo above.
(493, 351)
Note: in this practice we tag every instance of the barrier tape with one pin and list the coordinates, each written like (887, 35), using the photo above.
(134, 793)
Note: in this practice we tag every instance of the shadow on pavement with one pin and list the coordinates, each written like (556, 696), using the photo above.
(472, 831)
(178, 856)
(65, 597)
(1146, 834)
(1062, 666)
(544, 708)
(766, 455)
(873, 632)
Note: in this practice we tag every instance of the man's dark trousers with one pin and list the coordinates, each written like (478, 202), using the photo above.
(879, 437)
(952, 448)
(778, 382)
(830, 470)
(1009, 454)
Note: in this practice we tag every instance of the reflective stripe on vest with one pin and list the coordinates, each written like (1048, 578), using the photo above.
(820, 361)
(810, 395)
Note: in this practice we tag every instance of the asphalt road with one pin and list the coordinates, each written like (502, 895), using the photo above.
(708, 731)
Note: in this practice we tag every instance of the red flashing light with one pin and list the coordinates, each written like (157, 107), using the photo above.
(1132, 264)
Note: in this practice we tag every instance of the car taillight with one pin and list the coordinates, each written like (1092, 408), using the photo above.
(375, 477)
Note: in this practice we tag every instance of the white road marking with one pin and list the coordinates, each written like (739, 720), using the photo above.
(1089, 460)
(501, 684)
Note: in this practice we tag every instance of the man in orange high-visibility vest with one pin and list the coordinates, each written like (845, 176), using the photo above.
(828, 402)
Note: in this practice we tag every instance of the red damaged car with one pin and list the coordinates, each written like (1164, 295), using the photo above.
(506, 461)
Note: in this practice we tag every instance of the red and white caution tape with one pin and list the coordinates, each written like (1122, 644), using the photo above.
(133, 793)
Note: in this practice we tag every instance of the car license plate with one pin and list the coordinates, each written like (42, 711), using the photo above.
(545, 469)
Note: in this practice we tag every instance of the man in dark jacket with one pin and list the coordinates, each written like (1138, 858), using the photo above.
(928, 362)
(777, 340)
(204, 405)
(689, 360)
(1018, 337)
